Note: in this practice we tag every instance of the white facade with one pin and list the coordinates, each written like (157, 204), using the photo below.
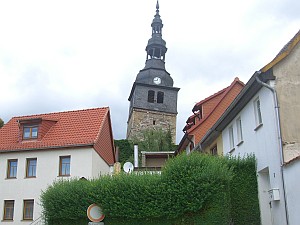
(85, 162)
(262, 140)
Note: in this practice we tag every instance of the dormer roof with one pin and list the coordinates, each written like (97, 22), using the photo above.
(207, 111)
(70, 129)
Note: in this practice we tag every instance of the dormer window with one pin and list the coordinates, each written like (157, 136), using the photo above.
(30, 132)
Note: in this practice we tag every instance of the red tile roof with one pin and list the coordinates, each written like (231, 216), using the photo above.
(210, 109)
(62, 130)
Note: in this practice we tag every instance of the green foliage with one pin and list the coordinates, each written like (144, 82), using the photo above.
(152, 140)
(244, 192)
(1, 123)
(155, 141)
(193, 189)
(125, 150)
(198, 176)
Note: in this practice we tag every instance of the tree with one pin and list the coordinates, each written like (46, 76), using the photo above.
(152, 141)
(1, 123)
(125, 150)
(155, 141)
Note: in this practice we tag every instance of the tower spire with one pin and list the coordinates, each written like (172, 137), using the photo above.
(156, 47)
(153, 99)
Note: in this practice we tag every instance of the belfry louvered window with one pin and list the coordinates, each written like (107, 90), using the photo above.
(160, 97)
(151, 96)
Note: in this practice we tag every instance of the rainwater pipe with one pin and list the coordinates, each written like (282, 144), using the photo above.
(279, 140)
(136, 156)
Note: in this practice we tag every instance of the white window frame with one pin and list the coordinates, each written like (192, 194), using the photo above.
(239, 131)
(231, 138)
(257, 111)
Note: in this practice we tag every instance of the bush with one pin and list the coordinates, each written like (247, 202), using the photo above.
(244, 192)
(194, 189)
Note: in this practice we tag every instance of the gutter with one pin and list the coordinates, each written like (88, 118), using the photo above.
(47, 148)
(279, 140)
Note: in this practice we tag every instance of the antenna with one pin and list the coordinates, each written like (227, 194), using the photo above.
(128, 167)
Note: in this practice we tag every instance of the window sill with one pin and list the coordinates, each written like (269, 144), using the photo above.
(232, 150)
(29, 177)
(26, 220)
(10, 178)
(241, 142)
(259, 126)
(7, 220)
(63, 175)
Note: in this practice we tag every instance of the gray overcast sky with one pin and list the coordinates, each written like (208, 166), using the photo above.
(63, 55)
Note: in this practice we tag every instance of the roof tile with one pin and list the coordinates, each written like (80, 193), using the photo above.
(70, 129)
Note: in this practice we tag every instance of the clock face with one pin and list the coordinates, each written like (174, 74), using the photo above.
(157, 80)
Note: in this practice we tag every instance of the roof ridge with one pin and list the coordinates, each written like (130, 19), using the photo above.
(57, 113)
(284, 52)
(210, 97)
(236, 80)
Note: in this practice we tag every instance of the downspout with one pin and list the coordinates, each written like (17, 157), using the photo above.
(279, 141)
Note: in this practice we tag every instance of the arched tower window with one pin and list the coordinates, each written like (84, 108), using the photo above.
(160, 97)
(151, 96)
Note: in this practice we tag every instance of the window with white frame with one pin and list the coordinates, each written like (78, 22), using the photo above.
(64, 165)
(8, 213)
(257, 110)
(231, 137)
(28, 209)
(239, 130)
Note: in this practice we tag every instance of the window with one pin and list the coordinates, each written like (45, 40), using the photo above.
(257, 110)
(231, 138)
(8, 210)
(30, 132)
(12, 165)
(28, 209)
(160, 97)
(239, 130)
(64, 165)
(151, 96)
(31, 167)
(214, 150)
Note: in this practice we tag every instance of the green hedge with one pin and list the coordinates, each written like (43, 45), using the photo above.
(194, 189)
(244, 192)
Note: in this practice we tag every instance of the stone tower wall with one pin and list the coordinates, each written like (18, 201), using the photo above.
(141, 119)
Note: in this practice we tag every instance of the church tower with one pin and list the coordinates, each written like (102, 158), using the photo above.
(153, 99)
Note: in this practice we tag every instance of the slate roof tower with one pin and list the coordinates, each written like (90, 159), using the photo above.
(153, 99)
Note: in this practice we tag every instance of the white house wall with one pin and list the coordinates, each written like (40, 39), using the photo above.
(99, 166)
(291, 174)
(263, 143)
(82, 165)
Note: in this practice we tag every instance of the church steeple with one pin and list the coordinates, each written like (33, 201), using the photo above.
(153, 99)
(156, 47)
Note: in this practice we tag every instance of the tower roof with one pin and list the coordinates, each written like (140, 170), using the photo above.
(155, 60)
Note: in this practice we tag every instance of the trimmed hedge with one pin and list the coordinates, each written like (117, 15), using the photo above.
(244, 191)
(194, 189)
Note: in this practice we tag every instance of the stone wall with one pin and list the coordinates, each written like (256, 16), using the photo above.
(140, 120)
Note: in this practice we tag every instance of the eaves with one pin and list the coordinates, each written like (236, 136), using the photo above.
(242, 99)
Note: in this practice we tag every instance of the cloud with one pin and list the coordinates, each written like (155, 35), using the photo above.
(66, 55)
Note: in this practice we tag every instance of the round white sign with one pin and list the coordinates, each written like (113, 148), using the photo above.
(94, 213)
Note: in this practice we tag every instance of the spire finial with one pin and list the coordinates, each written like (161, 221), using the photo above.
(157, 6)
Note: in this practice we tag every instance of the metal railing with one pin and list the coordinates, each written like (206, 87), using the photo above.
(38, 221)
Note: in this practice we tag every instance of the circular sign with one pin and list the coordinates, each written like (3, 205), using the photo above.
(94, 213)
